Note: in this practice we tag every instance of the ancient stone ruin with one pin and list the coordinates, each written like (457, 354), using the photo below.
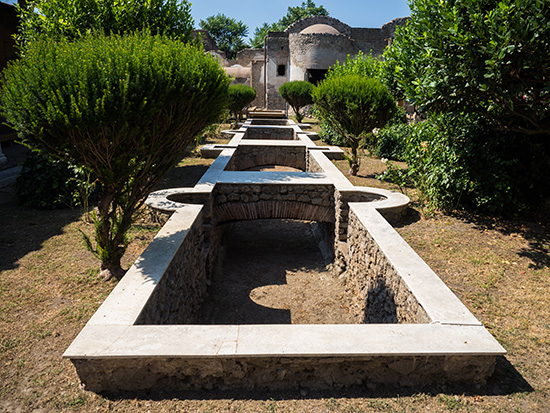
(409, 327)
(304, 51)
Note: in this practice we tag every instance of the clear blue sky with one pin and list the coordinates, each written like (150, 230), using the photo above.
(356, 13)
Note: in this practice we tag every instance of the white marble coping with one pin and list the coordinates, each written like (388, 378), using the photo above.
(295, 340)
(439, 302)
(391, 199)
(210, 177)
(294, 127)
(237, 138)
(339, 180)
(159, 200)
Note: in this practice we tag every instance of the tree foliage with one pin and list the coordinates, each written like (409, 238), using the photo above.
(461, 162)
(294, 14)
(227, 32)
(354, 105)
(298, 95)
(479, 56)
(72, 19)
(239, 97)
(126, 107)
(360, 64)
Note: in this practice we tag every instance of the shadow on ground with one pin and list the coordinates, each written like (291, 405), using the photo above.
(253, 285)
(182, 176)
(24, 230)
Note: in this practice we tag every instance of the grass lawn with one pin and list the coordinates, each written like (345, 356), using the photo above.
(49, 289)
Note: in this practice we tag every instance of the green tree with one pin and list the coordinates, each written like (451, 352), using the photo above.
(294, 14)
(479, 56)
(239, 97)
(361, 64)
(125, 107)
(354, 105)
(227, 32)
(298, 95)
(72, 19)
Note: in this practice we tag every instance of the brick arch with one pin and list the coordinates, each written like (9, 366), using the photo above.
(237, 211)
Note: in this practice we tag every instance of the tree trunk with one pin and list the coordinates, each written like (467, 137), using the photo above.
(354, 161)
(109, 247)
(108, 273)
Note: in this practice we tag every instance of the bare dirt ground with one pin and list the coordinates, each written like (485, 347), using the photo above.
(49, 289)
(274, 273)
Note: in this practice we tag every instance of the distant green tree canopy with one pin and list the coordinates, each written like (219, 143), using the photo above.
(294, 14)
(72, 19)
(228, 33)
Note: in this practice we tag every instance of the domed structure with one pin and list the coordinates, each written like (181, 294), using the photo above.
(320, 29)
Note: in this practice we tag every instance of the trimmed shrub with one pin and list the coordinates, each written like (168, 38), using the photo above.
(297, 94)
(353, 105)
(240, 96)
(125, 107)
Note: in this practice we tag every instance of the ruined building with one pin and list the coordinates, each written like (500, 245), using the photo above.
(304, 51)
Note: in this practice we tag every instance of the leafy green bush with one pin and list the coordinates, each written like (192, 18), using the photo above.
(125, 107)
(72, 19)
(297, 94)
(330, 136)
(48, 183)
(491, 58)
(361, 64)
(461, 163)
(353, 105)
(391, 142)
(239, 97)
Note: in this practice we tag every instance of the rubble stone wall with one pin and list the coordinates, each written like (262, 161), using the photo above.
(256, 201)
(375, 290)
(271, 133)
(182, 289)
(247, 157)
(284, 373)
